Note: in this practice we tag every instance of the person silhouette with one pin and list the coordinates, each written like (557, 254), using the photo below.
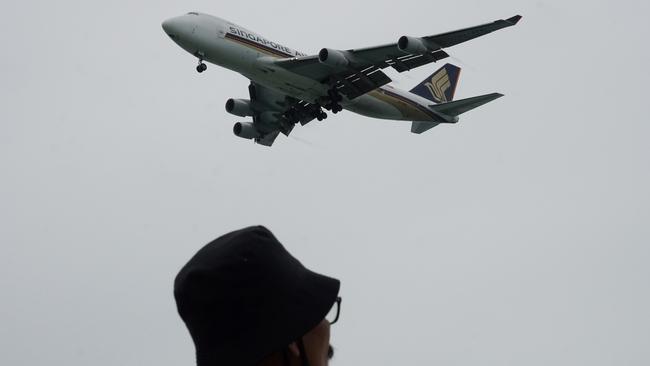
(247, 301)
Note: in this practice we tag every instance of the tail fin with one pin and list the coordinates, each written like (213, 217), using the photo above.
(441, 86)
(449, 112)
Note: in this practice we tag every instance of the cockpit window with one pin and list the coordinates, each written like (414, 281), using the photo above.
(192, 13)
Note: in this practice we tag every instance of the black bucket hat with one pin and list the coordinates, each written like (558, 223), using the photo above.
(243, 297)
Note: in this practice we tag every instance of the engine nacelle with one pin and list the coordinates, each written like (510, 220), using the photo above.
(239, 107)
(412, 45)
(332, 58)
(246, 130)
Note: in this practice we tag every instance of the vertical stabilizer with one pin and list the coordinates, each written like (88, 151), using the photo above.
(441, 86)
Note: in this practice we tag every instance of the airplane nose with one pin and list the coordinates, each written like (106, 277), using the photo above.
(172, 27)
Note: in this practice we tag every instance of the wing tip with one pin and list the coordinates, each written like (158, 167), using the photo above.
(514, 20)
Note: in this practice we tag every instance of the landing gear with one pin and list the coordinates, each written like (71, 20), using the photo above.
(201, 67)
(334, 107)
(292, 116)
(304, 114)
(335, 99)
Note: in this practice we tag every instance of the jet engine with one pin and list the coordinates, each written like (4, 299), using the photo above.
(246, 130)
(239, 107)
(333, 58)
(412, 45)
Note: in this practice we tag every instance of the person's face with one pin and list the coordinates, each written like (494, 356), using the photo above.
(317, 344)
(317, 347)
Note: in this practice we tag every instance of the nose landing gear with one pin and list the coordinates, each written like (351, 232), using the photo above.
(201, 67)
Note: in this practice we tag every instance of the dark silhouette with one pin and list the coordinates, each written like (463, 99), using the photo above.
(247, 301)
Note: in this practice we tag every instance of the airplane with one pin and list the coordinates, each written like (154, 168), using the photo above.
(288, 87)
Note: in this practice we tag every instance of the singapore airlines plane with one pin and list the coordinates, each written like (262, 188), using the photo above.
(289, 87)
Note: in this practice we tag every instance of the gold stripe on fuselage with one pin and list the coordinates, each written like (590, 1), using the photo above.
(409, 109)
(257, 46)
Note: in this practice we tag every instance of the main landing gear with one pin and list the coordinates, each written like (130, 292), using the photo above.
(335, 98)
(201, 67)
(294, 116)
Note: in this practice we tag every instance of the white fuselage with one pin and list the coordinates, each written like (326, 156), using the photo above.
(231, 46)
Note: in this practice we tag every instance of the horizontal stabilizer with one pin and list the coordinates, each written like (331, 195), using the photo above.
(458, 107)
(449, 112)
(420, 127)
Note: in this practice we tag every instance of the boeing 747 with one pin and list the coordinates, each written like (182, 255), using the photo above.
(288, 87)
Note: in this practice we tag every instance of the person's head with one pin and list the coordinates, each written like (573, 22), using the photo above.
(246, 301)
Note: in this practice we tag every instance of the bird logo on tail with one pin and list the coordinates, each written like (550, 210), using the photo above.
(439, 85)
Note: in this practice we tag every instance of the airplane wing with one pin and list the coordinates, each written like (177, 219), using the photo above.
(277, 113)
(358, 71)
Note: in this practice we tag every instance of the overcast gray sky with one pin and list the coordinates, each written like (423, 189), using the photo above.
(516, 237)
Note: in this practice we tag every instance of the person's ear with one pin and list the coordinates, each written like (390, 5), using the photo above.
(293, 348)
